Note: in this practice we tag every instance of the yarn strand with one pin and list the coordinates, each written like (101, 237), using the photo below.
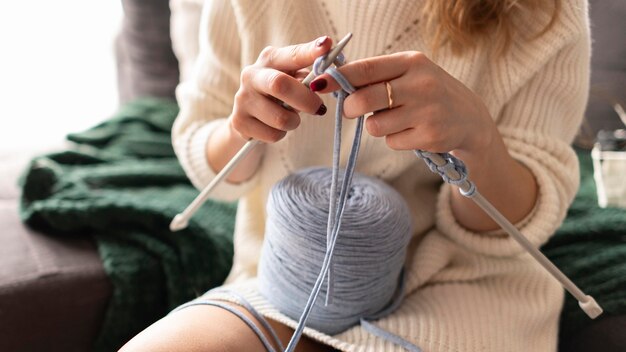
(336, 210)
(335, 214)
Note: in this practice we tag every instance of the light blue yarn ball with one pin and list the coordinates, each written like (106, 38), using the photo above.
(368, 257)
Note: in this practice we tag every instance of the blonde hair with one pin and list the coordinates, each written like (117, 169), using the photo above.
(461, 23)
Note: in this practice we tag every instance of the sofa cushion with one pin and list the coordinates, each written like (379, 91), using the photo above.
(53, 290)
(606, 335)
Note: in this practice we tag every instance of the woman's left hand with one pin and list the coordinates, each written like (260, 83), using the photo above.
(433, 111)
(417, 104)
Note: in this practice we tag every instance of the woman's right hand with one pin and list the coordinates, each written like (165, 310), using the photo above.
(277, 77)
(258, 112)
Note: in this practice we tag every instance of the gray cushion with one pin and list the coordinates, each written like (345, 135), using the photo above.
(146, 64)
(608, 63)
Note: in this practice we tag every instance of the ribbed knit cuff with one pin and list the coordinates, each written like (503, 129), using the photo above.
(537, 227)
(200, 172)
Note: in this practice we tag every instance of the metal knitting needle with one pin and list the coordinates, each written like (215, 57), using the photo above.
(181, 220)
(586, 302)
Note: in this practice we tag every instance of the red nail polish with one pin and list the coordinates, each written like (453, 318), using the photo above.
(318, 84)
(321, 41)
(321, 110)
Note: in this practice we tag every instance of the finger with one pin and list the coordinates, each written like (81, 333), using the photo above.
(249, 126)
(371, 98)
(294, 57)
(368, 71)
(388, 122)
(422, 137)
(273, 114)
(300, 75)
(282, 86)
(403, 140)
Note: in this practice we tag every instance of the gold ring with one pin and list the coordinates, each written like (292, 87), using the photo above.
(389, 96)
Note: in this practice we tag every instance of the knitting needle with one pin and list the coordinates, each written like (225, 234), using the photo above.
(181, 220)
(586, 302)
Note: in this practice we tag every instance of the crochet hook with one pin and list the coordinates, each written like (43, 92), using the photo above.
(181, 220)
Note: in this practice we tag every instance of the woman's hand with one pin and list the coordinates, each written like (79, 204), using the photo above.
(431, 110)
(435, 112)
(258, 112)
(277, 76)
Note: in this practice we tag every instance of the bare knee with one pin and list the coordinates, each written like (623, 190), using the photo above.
(196, 328)
(208, 328)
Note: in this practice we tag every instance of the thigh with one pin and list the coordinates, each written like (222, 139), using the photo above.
(209, 328)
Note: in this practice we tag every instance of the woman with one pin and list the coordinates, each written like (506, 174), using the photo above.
(502, 85)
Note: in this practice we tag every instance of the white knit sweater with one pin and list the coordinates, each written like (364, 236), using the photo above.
(466, 291)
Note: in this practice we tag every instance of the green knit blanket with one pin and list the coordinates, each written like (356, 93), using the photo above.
(122, 184)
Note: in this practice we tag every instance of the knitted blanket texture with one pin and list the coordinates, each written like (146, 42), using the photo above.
(121, 184)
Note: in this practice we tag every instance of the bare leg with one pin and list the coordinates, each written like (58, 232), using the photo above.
(207, 328)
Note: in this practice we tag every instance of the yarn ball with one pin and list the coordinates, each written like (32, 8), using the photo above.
(367, 260)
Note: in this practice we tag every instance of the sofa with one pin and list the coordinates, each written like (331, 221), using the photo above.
(54, 291)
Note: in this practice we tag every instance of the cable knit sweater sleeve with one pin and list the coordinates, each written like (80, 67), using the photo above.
(538, 124)
(206, 98)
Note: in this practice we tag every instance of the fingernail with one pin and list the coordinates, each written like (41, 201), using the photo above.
(321, 41)
(318, 84)
(321, 110)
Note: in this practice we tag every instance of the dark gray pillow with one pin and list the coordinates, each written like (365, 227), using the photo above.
(146, 64)
(608, 66)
